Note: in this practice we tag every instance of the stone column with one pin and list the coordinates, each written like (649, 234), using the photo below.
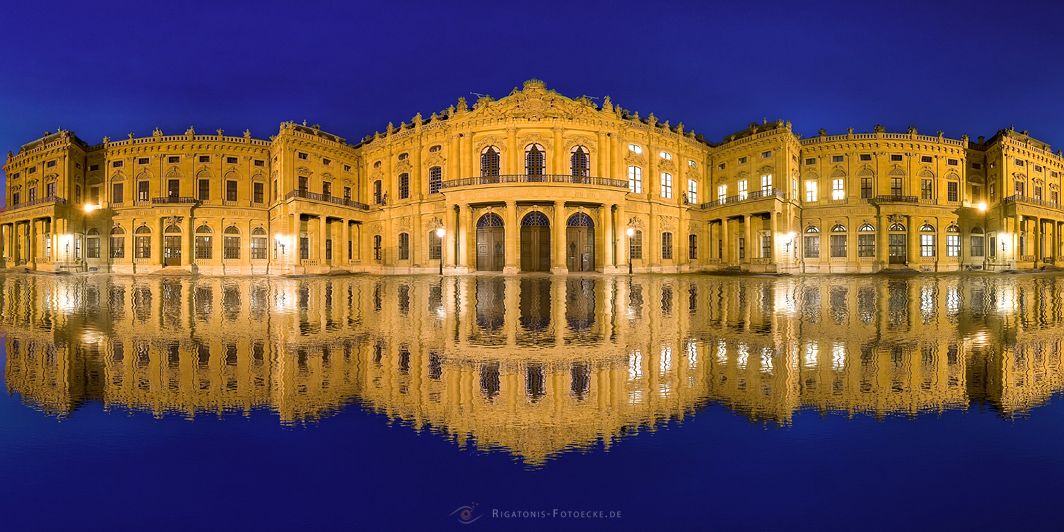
(747, 248)
(558, 264)
(725, 230)
(622, 239)
(882, 249)
(774, 237)
(465, 234)
(450, 228)
(33, 246)
(512, 235)
(608, 237)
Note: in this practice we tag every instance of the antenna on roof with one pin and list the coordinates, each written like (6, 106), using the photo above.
(477, 94)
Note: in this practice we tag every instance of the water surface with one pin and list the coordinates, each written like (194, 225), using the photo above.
(687, 401)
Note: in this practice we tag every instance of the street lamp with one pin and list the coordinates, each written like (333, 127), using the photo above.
(630, 232)
(440, 231)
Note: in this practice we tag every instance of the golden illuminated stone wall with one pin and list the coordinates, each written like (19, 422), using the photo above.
(533, 181)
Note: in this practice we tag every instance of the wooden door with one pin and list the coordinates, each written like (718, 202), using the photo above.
(535, 248)
(172, 250)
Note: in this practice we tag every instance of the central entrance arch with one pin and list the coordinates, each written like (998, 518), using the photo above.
(580, 243)
(491, 243)
(535, 242)
(172, 245)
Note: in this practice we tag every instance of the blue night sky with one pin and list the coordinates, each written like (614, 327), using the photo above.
(108, 68)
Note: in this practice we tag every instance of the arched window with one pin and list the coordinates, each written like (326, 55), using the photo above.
(142, 242)
(535, 219)
(666, 156)
(377, 248)
(927, 228)
(231, 243)
(811, 242)
(896, 227)
(866, 240)
(435, 148)
(489, 220)
(204, 242)
(952, 228)
(812, 229)
(579, 162)
(404, 185)
(580, 219)
(435, 245)
(404, 246)
(258, 243)
(838, 241)
(489, 162)
(866, 228)
(435, 179)
(534, 160)
(838, 228)
(666, 246)
(118, 243)
(92, 244)
(977, 242)
(953, 241)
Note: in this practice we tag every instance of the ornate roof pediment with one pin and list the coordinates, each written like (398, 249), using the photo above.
(532, 102)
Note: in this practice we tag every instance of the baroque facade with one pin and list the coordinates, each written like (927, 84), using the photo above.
(535, 181)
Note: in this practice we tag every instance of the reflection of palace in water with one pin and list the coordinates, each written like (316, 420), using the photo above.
(533, 364)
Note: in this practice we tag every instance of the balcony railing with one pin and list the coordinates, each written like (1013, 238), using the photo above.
(894, 198)
(39, 201)
(755, 195)
(174, 200)
(566, 179)
(306, 194)
(1019, 198)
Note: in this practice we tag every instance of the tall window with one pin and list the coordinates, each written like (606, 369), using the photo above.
(404, 246)
(794, 190)
(534, 160)
(304, 184)
(377, 248)
(435, 246)
(435, 179)
(866, 187)
(404, 185)
(230, 190)
(866, 241)
(231, 243)
(92, 244)
(635, 179)
(927, 240)
(326, 188)
(1019, 187)
(838, 189)
(203, 241)
(258, 192)
(489, 162)
(692, 246)
(838, 241)
(142, 191)
(635, 245)
(666, 185)
(766, 184)
(118, 243)
(953, 241)
(304, 247)
(977, 242)
(579, 162)
(173, 188)
(142, 242)
(895, 186)
(258, 243)
(49, 190)
(812, 242)
(722, 193)
(378, 193)
(766, 244)
(692, 191)
(666, 245)
(203, 190)
(116, 193)
(810, 191)
(926, 189)
(742, 189)
(952, 191)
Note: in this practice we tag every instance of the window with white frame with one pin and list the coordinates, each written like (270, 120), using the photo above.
(635, 179)
(635, 148)
(838, 189)
(742, 189)
(766, 184)
(810, 191)
(666, 185)
(692, 191)
(722, 193)
(666, 155)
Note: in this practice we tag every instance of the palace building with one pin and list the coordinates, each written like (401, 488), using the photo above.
(533, 182)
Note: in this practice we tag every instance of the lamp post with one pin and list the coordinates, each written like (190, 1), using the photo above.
(630, 232)
(440, 232)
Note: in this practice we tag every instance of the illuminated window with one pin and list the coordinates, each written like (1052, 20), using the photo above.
(666, 246)
(435, 179)
(810, 191)
(766, 184)
(742, 189)
(231, 243)
(692, 191)
(635, 148)
(666, 156)
(635, 179)
(722, 193)
(838, 190)
(812, 242)
(666, 185)
(635, 245)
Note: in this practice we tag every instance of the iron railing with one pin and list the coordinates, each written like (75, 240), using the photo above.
(771, 192)
(1020, 198)
(39, 201)
(306, 194)
(546, 178)
(174, 200)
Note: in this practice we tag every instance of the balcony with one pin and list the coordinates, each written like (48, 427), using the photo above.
(174, 200)
(47, 200)
(893, 198)
(1019, 198)
(305, 194)
(549, 179)
(753, 196)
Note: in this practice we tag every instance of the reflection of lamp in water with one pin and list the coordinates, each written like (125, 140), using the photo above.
(630, 232)
(440, 231)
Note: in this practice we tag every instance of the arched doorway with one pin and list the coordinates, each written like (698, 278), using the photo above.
(580, 243)
(172, 245)
(897, 244)
(490, 243)
(535, 242)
